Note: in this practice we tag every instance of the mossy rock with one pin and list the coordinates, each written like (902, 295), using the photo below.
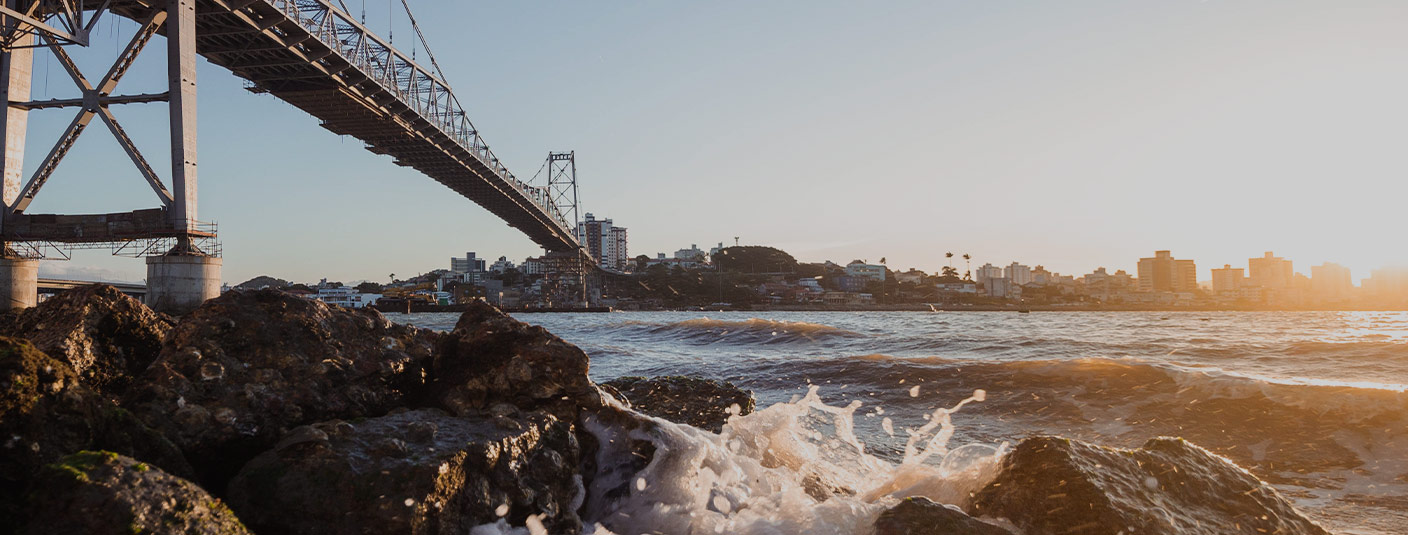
(46, 413)
(101, 492)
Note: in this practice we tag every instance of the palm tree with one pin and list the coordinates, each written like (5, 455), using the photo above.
(968, 259)
(949, 256)
(393, 277)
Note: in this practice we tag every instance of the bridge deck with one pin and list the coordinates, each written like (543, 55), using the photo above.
(297, 50)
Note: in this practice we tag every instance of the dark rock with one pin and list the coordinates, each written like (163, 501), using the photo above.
(244, 368)
(702, 403)
(105, 335)
(104, 493)
(920, 516)
(492, 358)
(1168, 486)
(421, 471)
(46, 413)
(616, 446)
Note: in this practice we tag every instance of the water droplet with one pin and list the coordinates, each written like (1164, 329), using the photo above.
(501, 510)
(410, 502)
(914, 392)
(721, 505)
(640, 483)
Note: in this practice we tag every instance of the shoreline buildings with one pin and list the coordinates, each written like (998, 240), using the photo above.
(605, 241)
(1164, 273)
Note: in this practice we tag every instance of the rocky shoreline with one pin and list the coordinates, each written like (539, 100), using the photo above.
(262, 412)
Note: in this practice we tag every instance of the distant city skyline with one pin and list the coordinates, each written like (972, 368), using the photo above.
(1076, 136)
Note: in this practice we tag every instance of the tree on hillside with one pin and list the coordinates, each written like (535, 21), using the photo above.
(641, 262)
(755, 259)
(369, 287)
(262, 281)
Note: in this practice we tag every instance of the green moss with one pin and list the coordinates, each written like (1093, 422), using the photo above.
(134, 529)
(80, 464)
(142, 467)
(74, 473)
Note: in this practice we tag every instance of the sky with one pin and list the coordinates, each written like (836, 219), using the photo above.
(1072, 135)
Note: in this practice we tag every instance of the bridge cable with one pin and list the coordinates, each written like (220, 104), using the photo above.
(433, 64)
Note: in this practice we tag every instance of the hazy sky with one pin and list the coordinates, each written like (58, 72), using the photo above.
(1068, 134)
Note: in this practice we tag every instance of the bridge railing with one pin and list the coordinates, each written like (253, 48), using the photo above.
(415, 86)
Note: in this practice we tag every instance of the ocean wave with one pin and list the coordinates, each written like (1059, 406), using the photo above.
(749, 331)
(1280, 428)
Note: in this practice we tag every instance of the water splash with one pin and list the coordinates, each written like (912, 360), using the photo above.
(793, 467)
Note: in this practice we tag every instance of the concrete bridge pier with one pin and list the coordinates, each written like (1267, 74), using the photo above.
(19, 282)
(178, 283)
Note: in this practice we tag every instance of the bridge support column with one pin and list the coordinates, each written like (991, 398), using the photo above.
(178, 283)
(16, 71)
(19, 282)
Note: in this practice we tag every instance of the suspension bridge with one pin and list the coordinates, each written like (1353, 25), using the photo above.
(312, 54)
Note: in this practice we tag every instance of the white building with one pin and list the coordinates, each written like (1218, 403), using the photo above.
(987, 271)
(604, 241)
(501, 265)
(692, 253)
(532, 266)
(1020, 275)
(345, 297)
(872, 271)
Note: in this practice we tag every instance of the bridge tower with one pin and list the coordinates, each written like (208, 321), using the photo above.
(182, 254)
(562, 194)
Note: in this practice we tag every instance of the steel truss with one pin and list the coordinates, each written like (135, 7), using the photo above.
(52, 25)
(23, 23)
(419, 88)
(94, 103)
(205, 243)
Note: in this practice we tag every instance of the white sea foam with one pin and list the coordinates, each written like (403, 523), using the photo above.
(791, 468)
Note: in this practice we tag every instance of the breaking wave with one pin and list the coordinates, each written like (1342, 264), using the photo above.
(1354, 435)
(748, 331)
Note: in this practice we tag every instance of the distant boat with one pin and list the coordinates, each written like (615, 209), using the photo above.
(931, 307)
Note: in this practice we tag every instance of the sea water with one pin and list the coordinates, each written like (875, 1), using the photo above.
(866, 402)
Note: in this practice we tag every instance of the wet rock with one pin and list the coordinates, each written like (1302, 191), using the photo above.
(492, 358)
(105, 335)
(244, 368)
(702, 403)
(421, 471)
(105, 493)
(920, 516)
(46, 413)
(1168, 486)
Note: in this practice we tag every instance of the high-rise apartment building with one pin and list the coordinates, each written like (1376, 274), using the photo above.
(987, 271)
(1270, 271)
(1019, 274)
(468, 264)
(1164, 273)
(604, 241)
(1331, 281)
(1387, 284)
(1227, 280)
